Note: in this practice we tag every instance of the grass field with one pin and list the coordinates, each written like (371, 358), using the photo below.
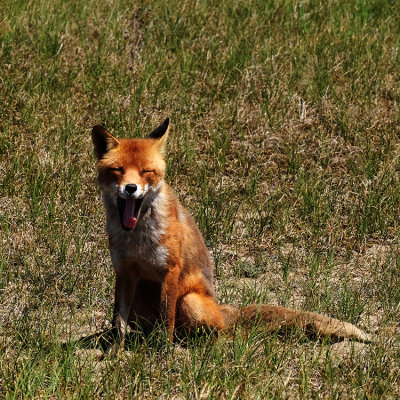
(285, 146)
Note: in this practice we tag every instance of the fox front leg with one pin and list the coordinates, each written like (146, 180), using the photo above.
(169, 296)
(125, 286)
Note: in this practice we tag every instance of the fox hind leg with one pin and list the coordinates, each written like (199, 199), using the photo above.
(197, 312)
(145, 311)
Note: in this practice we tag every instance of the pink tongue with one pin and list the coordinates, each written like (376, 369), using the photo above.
(129, 219)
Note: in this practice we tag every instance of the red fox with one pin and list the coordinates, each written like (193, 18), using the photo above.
(164, 272)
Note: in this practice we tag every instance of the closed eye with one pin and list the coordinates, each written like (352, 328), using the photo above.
(145, 171)
(119, 169)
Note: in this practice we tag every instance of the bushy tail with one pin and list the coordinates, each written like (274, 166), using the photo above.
(275, 318)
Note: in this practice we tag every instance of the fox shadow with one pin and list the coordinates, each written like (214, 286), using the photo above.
(106, 339)
(155, 338)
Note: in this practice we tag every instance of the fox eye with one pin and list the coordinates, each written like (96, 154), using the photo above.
(119, 169)
(144, 171)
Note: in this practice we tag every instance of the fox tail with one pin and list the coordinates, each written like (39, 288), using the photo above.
(276, 318)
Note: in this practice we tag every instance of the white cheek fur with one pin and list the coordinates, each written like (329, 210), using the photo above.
(141, 191)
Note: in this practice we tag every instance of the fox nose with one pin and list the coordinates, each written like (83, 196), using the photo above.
(131, 188)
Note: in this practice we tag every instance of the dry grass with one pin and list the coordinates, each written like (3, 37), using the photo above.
(285, 147)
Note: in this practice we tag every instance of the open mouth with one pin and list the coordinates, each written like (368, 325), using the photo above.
(128, 212)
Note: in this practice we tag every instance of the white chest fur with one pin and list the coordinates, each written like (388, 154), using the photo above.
(140, 248)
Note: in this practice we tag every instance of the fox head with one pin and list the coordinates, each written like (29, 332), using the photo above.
(130, 169)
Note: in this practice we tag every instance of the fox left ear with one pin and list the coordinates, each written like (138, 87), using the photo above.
(161, 133)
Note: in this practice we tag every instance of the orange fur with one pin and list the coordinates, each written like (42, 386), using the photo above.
(163, 269)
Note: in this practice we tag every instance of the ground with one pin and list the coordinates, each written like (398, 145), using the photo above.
(284, 146)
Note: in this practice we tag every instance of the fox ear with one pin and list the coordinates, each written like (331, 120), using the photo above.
(103, 141)
(161, 133)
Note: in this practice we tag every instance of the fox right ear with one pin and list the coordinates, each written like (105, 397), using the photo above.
(103, 141)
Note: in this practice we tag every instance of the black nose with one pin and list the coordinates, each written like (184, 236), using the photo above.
(131, 188)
